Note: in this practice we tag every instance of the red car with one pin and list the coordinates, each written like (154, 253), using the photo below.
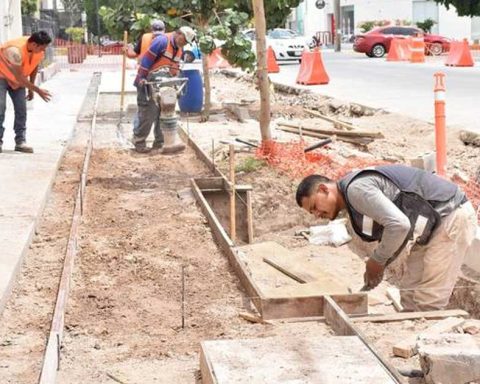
(377, 42)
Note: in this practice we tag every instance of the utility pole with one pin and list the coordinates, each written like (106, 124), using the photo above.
(338, 26)
(262, 73)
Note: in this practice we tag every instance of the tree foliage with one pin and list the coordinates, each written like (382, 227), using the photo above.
(464, 7)
(29, 7)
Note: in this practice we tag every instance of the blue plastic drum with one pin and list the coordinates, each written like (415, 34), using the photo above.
(192, 98)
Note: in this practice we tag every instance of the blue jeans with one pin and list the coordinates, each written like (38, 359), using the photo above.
(20, 108)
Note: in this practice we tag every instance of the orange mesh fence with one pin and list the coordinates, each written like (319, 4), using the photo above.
(290, 159)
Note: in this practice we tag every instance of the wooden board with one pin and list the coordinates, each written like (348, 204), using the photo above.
(319, 360)
(408, 347)
(283, 296)
(412, 316)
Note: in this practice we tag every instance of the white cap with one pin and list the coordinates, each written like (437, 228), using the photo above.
(189, 33)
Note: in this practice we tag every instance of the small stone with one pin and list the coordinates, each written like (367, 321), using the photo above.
(96, 346)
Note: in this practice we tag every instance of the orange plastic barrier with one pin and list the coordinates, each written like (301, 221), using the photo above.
(272, 65)
(399, 50)
(460, 55)
(417, 50)
(440, 130)
(216, 60)
(311, 70)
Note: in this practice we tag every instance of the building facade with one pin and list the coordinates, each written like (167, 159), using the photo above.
(309, 20)
(11, 20)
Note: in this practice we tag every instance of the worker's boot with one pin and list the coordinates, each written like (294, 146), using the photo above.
(23, 147)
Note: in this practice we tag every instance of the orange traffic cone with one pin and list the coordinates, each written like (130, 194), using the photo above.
(312, 70)
(417, 50)
(216, 60)
(460, 54)
(272, 66)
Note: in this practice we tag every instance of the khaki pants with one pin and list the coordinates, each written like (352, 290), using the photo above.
(432, 269)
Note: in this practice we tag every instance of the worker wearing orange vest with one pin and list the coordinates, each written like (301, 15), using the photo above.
(164, 52)
(19, 60)
(143, 43)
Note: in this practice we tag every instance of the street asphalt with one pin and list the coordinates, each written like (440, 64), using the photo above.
(400, 87)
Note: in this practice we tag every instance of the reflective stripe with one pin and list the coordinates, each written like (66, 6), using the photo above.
(419, 226)
(367, 225)
(440, 95)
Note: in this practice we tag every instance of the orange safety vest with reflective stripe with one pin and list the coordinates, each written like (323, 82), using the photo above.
(147, 39)
(30, 61)
(169, 58)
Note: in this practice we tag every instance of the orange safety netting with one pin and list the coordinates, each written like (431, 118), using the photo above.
(290, 159)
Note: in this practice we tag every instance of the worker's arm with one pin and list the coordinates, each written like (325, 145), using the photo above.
(157, 48)
(12, 59)
(33, 76)
(367, 198)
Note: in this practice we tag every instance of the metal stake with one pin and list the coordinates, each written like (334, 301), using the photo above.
(183, 297)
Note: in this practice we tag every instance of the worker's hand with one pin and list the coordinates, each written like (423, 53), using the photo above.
(142, 82)
(30, 95)
(44, 94)
(373, 273)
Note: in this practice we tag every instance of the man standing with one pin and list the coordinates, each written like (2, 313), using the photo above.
(143, 43)
(19, 60)
(164, 52)
(396, 205)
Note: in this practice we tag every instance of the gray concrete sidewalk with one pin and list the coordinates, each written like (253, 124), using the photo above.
(26, 179)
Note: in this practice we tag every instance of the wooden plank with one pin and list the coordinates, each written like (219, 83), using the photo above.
(233, 210)
(249, 217)
(412, 316)
(358, 141)
(329, 119)
(341, 324)
(394, 295)
(331, 132)
(206, 369)
(408, 347)
(226, 245)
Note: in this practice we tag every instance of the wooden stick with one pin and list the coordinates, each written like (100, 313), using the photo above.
(358, 141)
(124, 67)
(330, 132)
(329, 119)
(411, 316)
(233, 221)
(394, 295)
(249, 217)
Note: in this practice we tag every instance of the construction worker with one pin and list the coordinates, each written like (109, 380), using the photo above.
(19, 60)
(401, 207)
(157, 27)
(164, 52)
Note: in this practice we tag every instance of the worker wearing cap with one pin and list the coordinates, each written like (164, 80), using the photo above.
(19, 61)
(164, 52)
(157, 27)
(401, 207)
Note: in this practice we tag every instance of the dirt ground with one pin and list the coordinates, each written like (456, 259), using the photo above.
(124, 315)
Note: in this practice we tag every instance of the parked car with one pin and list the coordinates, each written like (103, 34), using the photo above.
(287, 44)
(376, 43)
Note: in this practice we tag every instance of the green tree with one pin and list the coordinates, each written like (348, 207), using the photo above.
(464, 7)
(29, 7)
(426, 25)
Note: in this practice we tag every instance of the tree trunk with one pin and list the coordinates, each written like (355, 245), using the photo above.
(262, 73)
(206, 85)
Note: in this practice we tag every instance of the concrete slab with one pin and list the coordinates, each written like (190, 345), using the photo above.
(25, 179)
(450, 358)
(321, 360)
(112, 82)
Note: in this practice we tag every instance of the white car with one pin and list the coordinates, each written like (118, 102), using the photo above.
(286, 44)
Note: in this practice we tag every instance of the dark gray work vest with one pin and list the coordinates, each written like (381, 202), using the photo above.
(420, 192)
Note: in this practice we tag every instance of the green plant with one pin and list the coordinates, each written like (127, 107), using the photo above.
(366, 26)
(29, 7)
(250, 164)
(75, 33)
(426, 25)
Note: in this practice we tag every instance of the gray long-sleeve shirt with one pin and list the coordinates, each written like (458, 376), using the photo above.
(372, 196)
